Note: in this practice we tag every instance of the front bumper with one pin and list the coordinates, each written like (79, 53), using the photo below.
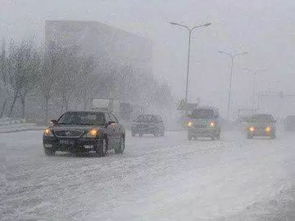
(261, 133)
(71, 144)
(204, 131)
(145, 130)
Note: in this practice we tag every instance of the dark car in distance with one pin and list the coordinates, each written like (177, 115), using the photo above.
(148, 124)
(261, 125)
(85, 131)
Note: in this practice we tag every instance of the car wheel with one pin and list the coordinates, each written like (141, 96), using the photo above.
(218, 137)
(156, 133)
(273, 136)
(133, 133)
(121, 147)
(102, 148)
(140, 134)
(189, 137)
(249, 136)
(49, 152)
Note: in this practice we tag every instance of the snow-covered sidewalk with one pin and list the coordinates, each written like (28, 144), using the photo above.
(19, 127)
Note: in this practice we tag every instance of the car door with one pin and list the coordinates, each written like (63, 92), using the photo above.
(161, 124)
(110, 130)
(117, 130)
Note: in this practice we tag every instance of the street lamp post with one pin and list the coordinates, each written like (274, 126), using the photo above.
(190, 30)
(232, 57)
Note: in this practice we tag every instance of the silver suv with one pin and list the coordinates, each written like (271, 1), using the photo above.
(204, 122)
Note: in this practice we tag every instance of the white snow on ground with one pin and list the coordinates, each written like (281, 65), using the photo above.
(11, 128)
(166, 178)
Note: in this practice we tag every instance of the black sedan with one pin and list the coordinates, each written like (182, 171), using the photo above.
(84, 131)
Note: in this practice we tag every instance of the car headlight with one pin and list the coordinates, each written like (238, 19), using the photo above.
(93, 133)
(252, 129)
(190, 124)
(48, 132)
(268, 129)
(212, 124)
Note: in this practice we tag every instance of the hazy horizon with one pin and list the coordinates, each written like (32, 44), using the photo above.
(263, 29)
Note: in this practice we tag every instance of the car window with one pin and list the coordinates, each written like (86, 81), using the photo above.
(154, 119)
(202, 114)
(113, 118)
(144, 118)
(159, 119)
(262, 117)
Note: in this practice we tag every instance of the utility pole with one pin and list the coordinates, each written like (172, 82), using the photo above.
(232, 57)
(190, 30)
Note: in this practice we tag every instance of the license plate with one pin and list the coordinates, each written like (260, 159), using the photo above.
(66, 142)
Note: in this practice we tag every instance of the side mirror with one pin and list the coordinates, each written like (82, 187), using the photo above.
(54, 122)
(110, 122)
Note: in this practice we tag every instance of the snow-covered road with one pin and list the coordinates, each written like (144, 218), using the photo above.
(166, 178)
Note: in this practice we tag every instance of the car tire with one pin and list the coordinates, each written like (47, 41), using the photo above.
(273, 136)
(156, 133)
(102, 148)
(140, 134)
(189, 137)
(49, 152)
(133, 133)
(218, 137)
(249, 136)
(121, 147)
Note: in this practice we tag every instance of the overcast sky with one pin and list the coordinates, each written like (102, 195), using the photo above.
(264, 28)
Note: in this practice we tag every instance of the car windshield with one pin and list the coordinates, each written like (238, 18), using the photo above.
(202, 114)
(82, 118)
(261, 118)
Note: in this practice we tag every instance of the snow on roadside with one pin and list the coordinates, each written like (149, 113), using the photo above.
(19, 127)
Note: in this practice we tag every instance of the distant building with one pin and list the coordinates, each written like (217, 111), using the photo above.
(105, 43)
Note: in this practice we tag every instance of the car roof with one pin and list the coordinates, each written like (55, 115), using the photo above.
(206, 108)
(262, 115)
(88, 112)
(152, 115)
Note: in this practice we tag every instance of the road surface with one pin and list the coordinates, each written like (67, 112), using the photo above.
(165, 178)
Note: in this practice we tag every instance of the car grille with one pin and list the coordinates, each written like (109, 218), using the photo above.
(142, 126)
(200, 126)
(68, 133)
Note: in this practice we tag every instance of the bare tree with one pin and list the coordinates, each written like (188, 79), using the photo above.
(86, 81)
(4, 86)
(23, 67)
(66, 86)
(50, 74)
